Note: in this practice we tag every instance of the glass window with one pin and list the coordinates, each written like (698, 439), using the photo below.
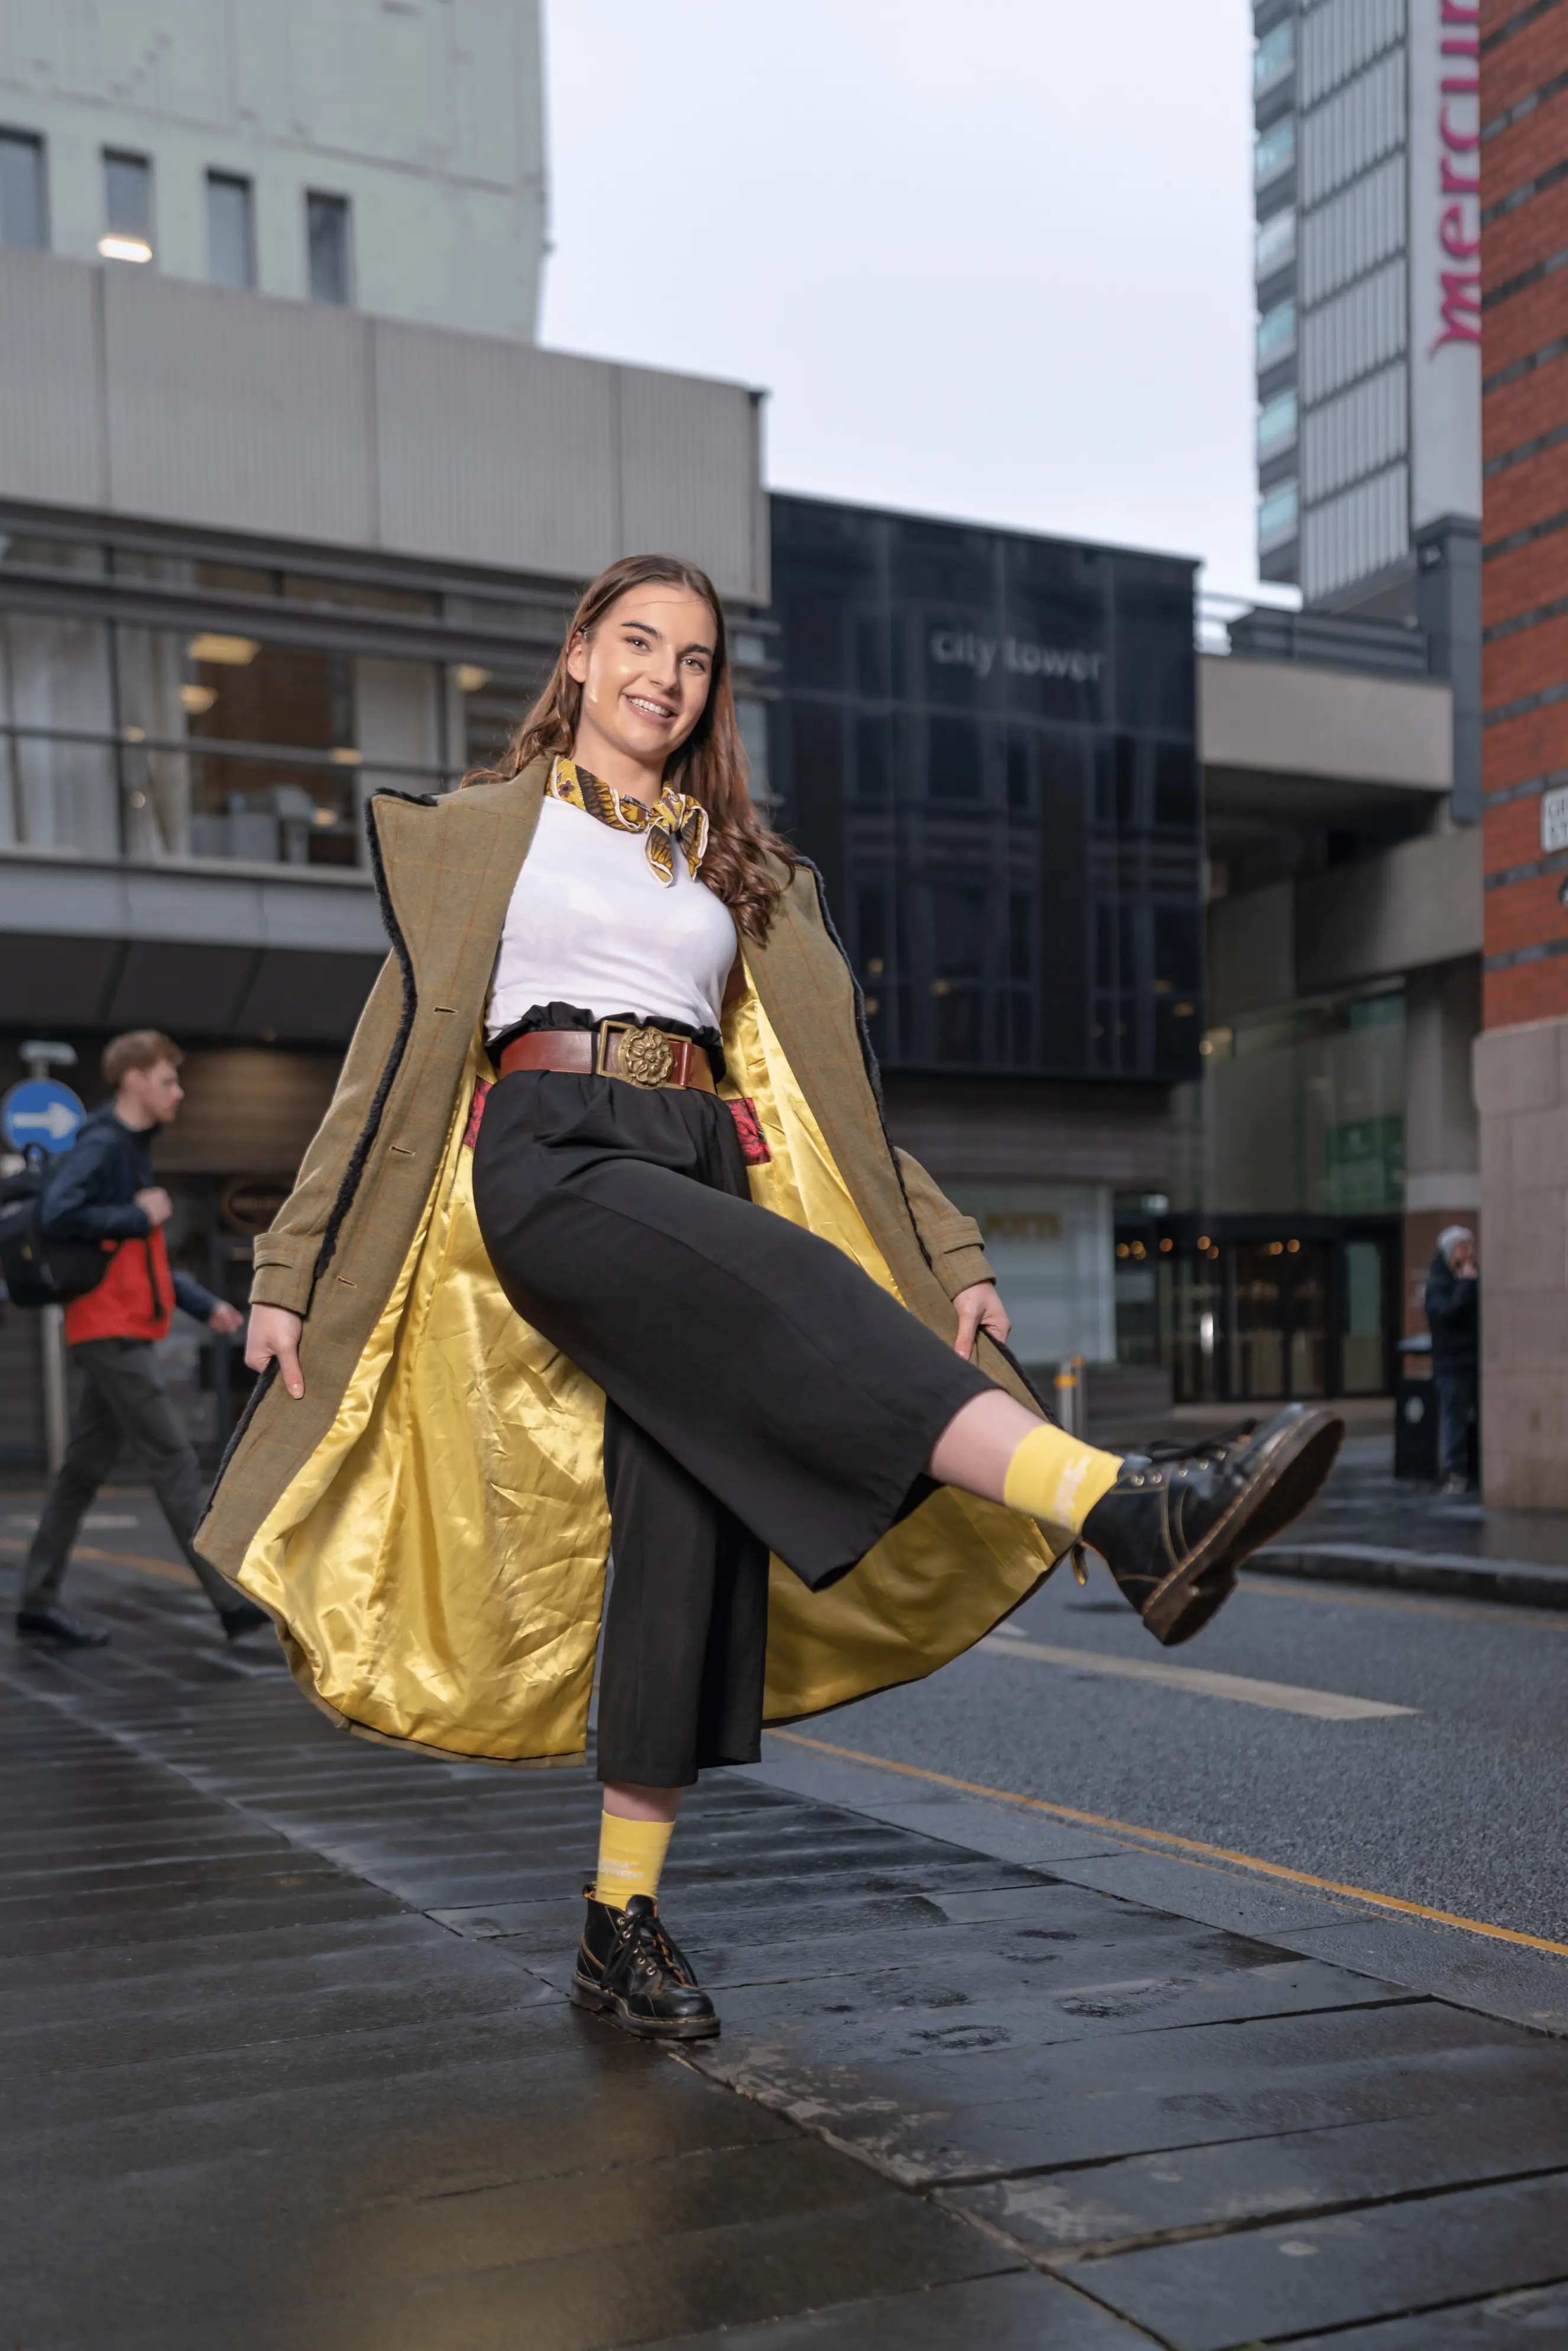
(327, 241)
(1276, 334)
(1273, 152)
(1273, 58)
(58, 787)
(1275, 244)
(1277, 425)
(956, 771)
(1277, 517)
(127, 207)
(231, 244)
(21, 189)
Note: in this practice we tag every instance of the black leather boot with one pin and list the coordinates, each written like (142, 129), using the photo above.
(1180, 1520)
(627, 1964)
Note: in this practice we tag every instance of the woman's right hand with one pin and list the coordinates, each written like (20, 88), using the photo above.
(274, 1333)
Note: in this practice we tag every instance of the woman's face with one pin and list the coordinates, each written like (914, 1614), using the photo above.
(646, 673)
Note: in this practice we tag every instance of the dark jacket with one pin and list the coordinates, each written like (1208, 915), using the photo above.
(91, 1196)
(1453, 1313)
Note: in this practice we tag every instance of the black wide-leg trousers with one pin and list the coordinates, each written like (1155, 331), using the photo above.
(764, 1395)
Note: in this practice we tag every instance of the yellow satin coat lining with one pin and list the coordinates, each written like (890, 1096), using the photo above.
(437, 1567)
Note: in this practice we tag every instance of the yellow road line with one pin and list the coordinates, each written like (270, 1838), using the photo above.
(142, 1561)
(1184, 1845)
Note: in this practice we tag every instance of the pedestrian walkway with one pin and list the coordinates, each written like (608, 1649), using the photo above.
(289, 2063)
(1370, 1527)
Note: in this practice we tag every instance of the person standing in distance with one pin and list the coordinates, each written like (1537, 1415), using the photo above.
(1453, 1314)
(104, 1191)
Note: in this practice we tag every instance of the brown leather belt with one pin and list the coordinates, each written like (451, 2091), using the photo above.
(616, 1049)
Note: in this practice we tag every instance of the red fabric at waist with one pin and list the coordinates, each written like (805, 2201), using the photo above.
(135, 1300)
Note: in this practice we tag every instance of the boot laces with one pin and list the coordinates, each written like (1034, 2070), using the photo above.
(652, 1947)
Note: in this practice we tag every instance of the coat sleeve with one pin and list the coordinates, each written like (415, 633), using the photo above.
(86, 1199)
(285, 1255)
(952, 1240)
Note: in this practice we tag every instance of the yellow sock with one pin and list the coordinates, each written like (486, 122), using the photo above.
(1055, 1478)
(631, 1855)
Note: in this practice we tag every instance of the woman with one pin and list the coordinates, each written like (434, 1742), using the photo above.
(528, 1307)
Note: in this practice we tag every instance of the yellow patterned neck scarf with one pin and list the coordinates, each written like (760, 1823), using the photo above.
(674, 819)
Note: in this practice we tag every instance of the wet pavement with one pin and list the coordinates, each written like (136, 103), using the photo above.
(1370, 1527)
(288, 2062)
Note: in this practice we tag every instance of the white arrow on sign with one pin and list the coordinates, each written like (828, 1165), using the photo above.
(59, 1120)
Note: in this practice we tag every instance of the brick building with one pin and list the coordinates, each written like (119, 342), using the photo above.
(1522, 1062)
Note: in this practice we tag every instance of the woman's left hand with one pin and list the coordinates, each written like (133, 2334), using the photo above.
(978, 1309)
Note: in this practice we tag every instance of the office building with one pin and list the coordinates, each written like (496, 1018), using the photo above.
(1522, 1059)
(1368, 351)
(341, 151)
(987, 743)
(264, 550)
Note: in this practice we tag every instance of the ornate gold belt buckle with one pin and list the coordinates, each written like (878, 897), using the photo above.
(646, 1058)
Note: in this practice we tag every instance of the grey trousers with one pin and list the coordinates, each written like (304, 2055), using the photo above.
(123, 1401)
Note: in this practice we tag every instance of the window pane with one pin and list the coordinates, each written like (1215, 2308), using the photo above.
(1273, 58)
(127, 195)
(1276, 516)
(21, 189)
(955, 773)
(327, 236)
(1277, 425)
(1275, 244)
(1277, 334)
(58, 787)
(1274, 151)
(230, 260)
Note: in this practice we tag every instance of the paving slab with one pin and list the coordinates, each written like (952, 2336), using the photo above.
(1390, 2260)
(983, 2077)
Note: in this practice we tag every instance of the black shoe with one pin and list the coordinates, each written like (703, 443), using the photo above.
(626, 1963)
(56, 1623)
(246, 1618)
(1180, 1520)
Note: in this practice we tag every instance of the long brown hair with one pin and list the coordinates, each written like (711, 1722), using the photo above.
(743, 855)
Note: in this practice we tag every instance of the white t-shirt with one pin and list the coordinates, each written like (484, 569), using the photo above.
(591, 924)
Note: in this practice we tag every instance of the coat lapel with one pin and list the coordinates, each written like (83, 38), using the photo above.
(446, 873)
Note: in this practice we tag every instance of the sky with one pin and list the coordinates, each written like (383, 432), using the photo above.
(989, 258)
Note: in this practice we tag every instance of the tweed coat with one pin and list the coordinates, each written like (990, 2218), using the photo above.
(427, 1525)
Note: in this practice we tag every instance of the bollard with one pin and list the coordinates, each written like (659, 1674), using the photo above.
(1069, 1399)
(56, 1415)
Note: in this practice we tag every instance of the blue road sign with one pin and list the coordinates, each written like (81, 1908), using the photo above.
(41, 1111)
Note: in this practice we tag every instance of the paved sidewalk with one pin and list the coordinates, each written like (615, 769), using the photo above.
(288, 2062)
(1372, 1528)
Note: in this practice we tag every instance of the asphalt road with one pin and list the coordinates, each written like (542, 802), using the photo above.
(1459, 1803)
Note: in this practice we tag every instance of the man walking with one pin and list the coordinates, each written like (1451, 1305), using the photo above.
(1453, 1314)
(104, 1191)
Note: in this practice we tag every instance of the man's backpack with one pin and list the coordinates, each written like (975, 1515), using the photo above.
(36, 1270)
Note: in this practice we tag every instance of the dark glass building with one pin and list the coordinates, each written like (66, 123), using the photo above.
(986, 741)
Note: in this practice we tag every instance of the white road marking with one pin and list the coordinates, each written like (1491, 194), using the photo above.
(1285, 1697)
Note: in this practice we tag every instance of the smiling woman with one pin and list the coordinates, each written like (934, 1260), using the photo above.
(603, 1247)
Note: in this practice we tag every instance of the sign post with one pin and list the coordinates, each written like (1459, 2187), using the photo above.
(39, 1119)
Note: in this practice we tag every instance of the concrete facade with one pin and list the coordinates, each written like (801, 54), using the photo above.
(425, 117)
(1521, 1086)
(193, 405)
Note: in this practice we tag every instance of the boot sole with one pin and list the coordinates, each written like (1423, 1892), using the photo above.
(1280, 1494)
(641, 2028)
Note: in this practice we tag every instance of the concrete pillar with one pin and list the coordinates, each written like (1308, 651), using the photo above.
(1442, 1138)
(1522, 1088)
